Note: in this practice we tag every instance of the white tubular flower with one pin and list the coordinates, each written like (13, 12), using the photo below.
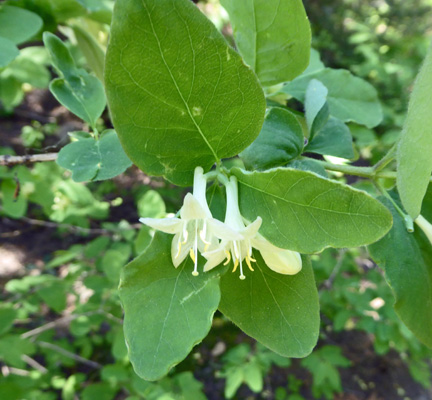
(425, 226)
(192, 230)
(239, 248)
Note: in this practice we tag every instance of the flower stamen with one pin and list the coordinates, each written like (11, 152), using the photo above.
(228, 257)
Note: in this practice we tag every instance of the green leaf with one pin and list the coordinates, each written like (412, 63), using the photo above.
(279, 311)
(306, 213)
(92, 51)
(280, 140)
(25, 70)
(316, 108)
(151, 205)
(334, 139)
(11, 93)
(406, 259)
(94, 160)
(167, 310)
(415, 146)
(349, 98)
(18, 24)
(8, 52)
(205, 103)
(12, 347)
(54, 295)
(81, 93)
(7, 317)
(308, 164)
(273, 37)
(13, 201)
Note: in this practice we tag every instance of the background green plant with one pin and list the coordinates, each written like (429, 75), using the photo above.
(83, 354)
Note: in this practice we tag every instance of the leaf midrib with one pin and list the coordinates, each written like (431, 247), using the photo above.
(176, 86)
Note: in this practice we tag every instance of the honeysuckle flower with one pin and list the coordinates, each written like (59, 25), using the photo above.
(425, 226)
(239, 249)
(193, 231)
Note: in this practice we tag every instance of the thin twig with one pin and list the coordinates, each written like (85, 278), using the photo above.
(9, 160)
(74, 228)
(328, 283)
(68, 354)
(66, 319)
(33, 363)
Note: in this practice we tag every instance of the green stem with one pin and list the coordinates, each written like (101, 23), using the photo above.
(409, 223)
(365, 172)
(387, 159)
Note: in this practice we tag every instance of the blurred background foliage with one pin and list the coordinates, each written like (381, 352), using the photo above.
(63, 243)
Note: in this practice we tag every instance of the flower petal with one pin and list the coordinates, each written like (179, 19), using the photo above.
(223, 231)
(282, 261)
(425, 226)
(167, 225)
(192, 209)
(214, 258)
(179, 256)
(252, 229)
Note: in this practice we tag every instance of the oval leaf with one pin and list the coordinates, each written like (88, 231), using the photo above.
(306, 213)
(406, 259)
(415, 146)
(280, 140)
(95, 160)
(273, 36)
(178, 94)
(8, 52)
(280, 311)
(167, 310)
(349, 98)
(18, 24)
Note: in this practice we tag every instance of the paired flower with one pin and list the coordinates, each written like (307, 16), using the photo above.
(197, 231)
(192, 231)
(238, 248)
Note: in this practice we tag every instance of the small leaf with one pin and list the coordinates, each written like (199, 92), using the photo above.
(316, 107)
(7, 317)
(273, 37)
(334, 139)
(18, 24)
(306, 213)
(81, 93)
(25, 70)
(178, 94)
(94, 160)
(167, 310)
(406, 259)
(279, 311)
(93, 52)
(280, 140)
(349, 98)
(8, 52)
(415, 146)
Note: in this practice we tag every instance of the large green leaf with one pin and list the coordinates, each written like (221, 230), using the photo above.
(18, 24)
(94, 160)
(306, 213)
(179, 95)
(80, 92)
(350, 98)
(280, 140)
(415, 146)
(280, 311)
(8, 52)
(273, 36)
(334, 139)
(167, 310)
(407, 261)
